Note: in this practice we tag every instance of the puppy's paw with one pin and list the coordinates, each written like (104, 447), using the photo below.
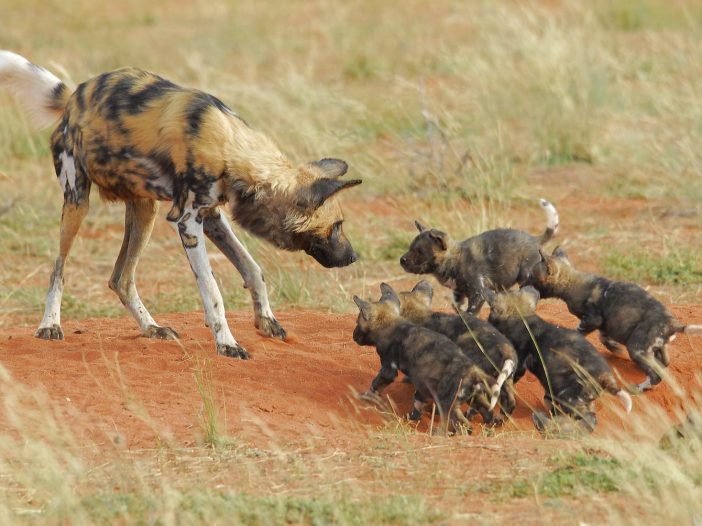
(269, 326)
(52, 332)
(415, 415)
(232, 351)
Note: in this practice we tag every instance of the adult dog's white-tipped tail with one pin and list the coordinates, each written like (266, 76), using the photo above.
(39, 91)
(551, 221)
(625, 399)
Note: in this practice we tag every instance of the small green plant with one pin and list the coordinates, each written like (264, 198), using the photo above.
(209, 414)
(642, 266)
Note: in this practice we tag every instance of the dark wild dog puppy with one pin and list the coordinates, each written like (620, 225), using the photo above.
(142, 139)
(504, 256)
(569, 368)
(437, 367)
(487, 347)
(623, 312)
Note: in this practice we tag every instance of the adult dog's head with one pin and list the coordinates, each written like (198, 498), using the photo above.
(306, 217)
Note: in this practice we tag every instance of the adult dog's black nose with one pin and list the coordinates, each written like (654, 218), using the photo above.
(403, 260)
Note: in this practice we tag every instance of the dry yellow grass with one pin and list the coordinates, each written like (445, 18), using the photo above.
(462, 113)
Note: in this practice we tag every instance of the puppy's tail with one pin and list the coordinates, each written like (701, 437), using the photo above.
(43, 95)
(609, 384)
(691, 329)
(551, 221)
(507, 370)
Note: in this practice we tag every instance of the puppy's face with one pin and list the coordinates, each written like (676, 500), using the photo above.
(373, 317)
(513, 304)
(416, 304)
(551, 271)
(426, 252)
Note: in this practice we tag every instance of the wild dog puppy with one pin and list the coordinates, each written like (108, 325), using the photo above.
(487, 347)
(569, 368)
(143, 139)
(438, 369)
(623, 312)
(505, 256)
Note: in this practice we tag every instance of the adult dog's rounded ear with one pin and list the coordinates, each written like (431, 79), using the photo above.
(331, 167)
(419, 226)
(314, 195)
(424, 290)
(440, 238)
(363, 307)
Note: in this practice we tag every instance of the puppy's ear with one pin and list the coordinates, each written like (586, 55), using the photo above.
(532, 295)
(386, 289)
(419, 226)
(390, 296)
(313, 196)
(364, 307)
(331, 167)
(558, 252)
(440, 238)
(424, 291)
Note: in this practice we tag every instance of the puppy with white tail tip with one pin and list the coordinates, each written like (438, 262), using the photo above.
(437, 367)
(505, 256)
(623, 312)
(478, 339)
(569, 368)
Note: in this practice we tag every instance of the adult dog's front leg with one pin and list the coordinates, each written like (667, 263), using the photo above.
(221, 234)
(190, 229)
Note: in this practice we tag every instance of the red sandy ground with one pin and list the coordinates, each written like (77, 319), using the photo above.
(126, 389)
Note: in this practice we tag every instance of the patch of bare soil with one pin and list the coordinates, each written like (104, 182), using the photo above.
(139, 392)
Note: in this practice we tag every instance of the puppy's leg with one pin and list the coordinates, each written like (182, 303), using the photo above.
(221, 234)
(418, 406)
(507, 399)
(192, 235)
(139, 220)
(641, 351)
(74, 211)
(611, 344)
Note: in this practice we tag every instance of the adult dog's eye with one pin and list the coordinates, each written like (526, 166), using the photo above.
(336, 228)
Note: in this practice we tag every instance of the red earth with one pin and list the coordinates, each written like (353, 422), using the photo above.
(120, 388)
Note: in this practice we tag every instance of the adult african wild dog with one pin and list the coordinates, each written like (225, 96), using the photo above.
(438, 369)
(623, 312)
(487, 347)
(143, 139)
(569, 368)
(505, 256)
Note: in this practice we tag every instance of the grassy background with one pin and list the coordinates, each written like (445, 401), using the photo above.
(459, 113)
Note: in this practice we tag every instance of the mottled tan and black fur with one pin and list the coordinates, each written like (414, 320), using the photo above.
(569, 368)
(142, 139)
(623, 312)
(487, 347)
(439, 370)
(505, 256)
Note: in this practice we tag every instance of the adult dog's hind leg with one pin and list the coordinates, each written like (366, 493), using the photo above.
(190, 228)
(221, 234)
(71, 218)
(139, 220)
